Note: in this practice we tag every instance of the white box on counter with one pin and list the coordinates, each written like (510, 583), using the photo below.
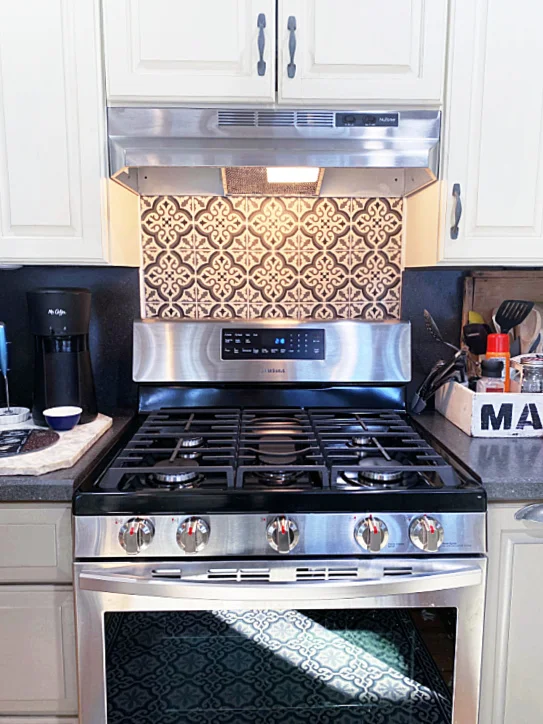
(491, 414)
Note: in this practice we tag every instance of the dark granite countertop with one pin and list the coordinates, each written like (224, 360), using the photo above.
(58, 486)
(510, 469)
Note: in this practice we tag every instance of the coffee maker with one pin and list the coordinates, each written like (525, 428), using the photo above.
(59, 321)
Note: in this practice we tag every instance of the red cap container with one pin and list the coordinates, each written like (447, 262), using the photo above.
(497, 343)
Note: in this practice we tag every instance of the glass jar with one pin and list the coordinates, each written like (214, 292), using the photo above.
(532, 375)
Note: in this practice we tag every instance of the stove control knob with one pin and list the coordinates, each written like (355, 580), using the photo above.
(136, 535)
(193, 535)
(371, 534)
(426, 533)
(282, 534)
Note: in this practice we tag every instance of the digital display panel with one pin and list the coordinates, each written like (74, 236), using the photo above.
(272, 344)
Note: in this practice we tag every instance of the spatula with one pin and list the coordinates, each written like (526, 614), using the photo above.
(511, 313)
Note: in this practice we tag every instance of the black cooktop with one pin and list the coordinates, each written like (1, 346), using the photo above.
(276, 460)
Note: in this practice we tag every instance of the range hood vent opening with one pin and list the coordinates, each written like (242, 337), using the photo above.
(196, 151)
(253, 181)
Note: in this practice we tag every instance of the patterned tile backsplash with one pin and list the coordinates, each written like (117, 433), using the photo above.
(253, 257)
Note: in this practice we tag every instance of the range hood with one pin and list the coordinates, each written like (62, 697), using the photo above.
(227, 151)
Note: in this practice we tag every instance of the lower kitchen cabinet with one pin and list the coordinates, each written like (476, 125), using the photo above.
(38, 682)
(513, 638)
(38, 662)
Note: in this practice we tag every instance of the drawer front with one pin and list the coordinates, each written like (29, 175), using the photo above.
(35, 543)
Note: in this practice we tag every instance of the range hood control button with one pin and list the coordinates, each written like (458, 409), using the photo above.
(193, 535)
(371, 534)
(136, 535)
(282, 534)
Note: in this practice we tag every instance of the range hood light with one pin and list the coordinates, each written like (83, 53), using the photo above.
(292, 174)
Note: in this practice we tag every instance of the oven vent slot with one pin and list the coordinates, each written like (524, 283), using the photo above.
(325, 574)
(398, 571)
(167, 573)
(238, 575)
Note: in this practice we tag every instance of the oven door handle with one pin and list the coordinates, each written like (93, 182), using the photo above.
(123, 582)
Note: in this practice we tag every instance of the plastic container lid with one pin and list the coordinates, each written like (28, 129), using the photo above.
(497, 343)
(492, 368)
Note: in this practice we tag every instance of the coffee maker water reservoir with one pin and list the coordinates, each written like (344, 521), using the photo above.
(59, 321)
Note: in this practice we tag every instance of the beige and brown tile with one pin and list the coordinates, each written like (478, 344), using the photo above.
(251, 257)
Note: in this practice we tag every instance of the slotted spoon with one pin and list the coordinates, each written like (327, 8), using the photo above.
(432, 327)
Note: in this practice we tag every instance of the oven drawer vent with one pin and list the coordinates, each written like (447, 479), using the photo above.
(397, 571)
(325, 574)
(238, 574)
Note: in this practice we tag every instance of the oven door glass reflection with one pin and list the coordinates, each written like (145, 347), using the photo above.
(276, 667)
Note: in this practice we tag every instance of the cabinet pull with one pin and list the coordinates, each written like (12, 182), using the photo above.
(457, 211)
(261, 42)
(291, 27)
(532, 512)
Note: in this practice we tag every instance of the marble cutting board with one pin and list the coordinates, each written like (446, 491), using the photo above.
(63, 454)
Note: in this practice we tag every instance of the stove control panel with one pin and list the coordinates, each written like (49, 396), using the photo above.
(136, 535)
(272, 344)
(242, 535)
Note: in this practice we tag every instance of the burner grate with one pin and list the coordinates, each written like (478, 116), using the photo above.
(279, 449)
(177, 449)
(376, 450)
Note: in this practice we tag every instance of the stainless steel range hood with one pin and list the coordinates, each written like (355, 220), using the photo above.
(187, 150)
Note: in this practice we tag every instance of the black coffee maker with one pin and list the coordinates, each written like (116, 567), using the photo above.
(59, 321)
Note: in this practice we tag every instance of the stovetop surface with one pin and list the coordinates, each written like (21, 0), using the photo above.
(284, 459)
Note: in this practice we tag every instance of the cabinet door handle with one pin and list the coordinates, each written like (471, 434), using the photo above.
(291, 27)
(261, 42)
(457, 211)
(532, 512)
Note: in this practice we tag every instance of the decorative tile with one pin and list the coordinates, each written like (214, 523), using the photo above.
(249, 257)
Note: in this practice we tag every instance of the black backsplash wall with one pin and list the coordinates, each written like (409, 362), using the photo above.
(116, 304)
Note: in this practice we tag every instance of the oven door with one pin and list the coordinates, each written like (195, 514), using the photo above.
(273, 642)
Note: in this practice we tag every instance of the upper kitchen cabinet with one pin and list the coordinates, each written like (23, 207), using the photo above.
(356, 52)
(53, 150)
(179, 51)
(493, 156)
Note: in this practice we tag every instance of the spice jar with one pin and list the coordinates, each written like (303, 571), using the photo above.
(491, 376)
(532, 375)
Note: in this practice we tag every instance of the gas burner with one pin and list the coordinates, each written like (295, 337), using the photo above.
(379, 471)
(193, 441)
(278, 478)
(183, 474)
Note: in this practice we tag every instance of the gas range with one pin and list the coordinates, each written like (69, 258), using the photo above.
(292, 469)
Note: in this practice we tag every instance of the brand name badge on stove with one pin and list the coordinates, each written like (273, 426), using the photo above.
(273, 370)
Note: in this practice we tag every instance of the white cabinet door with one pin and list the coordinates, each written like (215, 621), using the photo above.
(35, 543)
(186, 51)
(37, 661)
(494, 133)
(355, 52)
(513, 639)
(52, 132)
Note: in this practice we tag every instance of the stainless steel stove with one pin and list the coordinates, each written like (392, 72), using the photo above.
(262, 443)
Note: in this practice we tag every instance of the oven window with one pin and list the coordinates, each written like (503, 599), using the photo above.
(383, 666)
